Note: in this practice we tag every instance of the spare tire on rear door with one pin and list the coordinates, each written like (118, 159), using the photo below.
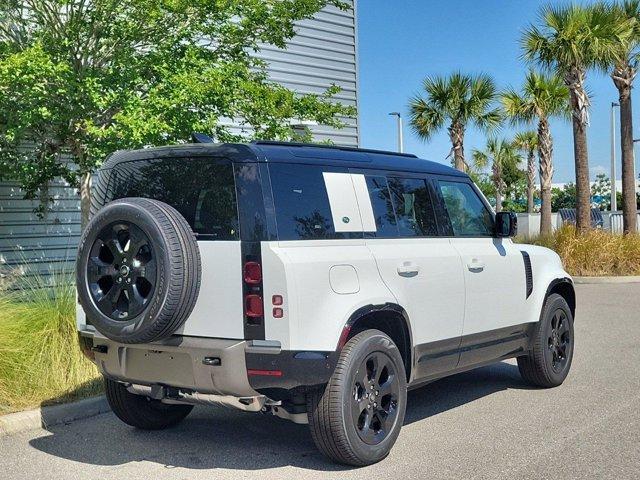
(138, 270)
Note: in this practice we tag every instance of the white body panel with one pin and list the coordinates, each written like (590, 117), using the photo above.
(494, 282)
(547, 267)
(426, 277)
(317, 302)
(218, 310)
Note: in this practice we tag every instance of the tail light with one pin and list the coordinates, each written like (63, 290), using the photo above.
(253, 306)
(252, 273)
(253, 303)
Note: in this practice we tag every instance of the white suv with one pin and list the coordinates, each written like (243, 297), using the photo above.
(316, 283)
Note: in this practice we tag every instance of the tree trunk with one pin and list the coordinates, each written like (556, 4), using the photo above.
(623, 80)
(498, 183)
(545, 155)
(85, 199)
(498, 200)
(531, 179)
(456, 134)
(580, 117)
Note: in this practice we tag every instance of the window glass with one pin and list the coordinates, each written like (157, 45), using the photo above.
(412, 204)
(467, 213)
(201, 189)
(383, 213)
(302, 204)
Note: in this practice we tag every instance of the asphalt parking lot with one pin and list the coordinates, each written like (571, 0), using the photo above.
(481, 424)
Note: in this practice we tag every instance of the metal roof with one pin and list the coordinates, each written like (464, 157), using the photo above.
(290, 152)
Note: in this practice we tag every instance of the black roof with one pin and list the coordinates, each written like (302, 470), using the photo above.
(291, 152)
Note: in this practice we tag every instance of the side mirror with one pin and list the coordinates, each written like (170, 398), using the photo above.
(506, 224)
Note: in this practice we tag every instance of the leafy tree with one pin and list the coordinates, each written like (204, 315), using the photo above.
(483, 182)
(564, 197)
(81, 78)
(623, 64)
(502, 156)
(571, 40)
(455, 102)
(542, 97)
(601, 191)
(528, 143)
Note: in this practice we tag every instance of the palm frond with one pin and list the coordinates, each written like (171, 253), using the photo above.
(526, 140)
(480, 159)
(425, 118)
(457, 98)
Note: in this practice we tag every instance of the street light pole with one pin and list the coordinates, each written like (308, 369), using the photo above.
(400, 140)
(614, 201)
(635, 179)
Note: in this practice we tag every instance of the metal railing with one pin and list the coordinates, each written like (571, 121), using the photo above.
(615, 222)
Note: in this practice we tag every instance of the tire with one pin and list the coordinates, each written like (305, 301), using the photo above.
(337, 428)
(143, 412)
(138, 270)
(548, 363)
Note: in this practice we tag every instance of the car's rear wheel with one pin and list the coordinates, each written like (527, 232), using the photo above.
(356, 418)
(548, 363)
(142, 412)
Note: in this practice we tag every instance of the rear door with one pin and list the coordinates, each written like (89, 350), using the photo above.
(494, 274)
(419, 266)
(203, 190)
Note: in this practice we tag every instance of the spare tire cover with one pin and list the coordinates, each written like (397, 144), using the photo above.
(138, 270)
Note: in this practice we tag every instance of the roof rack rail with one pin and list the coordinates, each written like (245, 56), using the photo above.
(337, 147)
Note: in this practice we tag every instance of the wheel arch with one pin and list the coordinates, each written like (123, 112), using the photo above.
(389, 318)
(563, 287)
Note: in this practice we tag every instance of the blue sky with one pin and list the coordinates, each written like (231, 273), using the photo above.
(401, 42)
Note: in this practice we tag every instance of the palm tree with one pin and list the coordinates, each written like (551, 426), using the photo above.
(528, 143)
(623, 65)
(542, 97)
(456, 101)
(500, 154)
(572, 40)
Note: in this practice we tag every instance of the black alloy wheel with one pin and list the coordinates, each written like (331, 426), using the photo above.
(374, 404)
(548, 361)
(121, 270)
(559, 340)
(138, 270)
(356, 418)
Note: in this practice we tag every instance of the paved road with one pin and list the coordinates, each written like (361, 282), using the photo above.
(481, 424)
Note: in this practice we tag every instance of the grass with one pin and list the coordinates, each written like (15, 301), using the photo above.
(40, 362)
(596, 253)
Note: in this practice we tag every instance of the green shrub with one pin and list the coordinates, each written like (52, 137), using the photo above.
(595, 253)
(40, 362)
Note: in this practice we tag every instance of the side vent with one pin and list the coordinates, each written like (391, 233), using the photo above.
(528, 272)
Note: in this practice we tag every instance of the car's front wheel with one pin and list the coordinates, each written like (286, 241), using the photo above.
(549, 361)
(356, 418)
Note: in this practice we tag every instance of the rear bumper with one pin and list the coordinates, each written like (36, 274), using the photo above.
(215, 366)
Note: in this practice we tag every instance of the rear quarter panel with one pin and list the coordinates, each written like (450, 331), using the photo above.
(323, 282)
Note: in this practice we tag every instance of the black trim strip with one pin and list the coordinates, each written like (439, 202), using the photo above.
(528, 272)
(445, 357)
(253, 327)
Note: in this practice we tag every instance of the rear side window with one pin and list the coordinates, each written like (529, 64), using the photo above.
(303, 210)
(412, 203)
(468, 215)
(383, 212)
(201, 189)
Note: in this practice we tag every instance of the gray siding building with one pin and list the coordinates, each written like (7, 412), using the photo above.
(324, 52)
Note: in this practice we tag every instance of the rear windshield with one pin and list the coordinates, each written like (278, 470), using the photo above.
(201, 189)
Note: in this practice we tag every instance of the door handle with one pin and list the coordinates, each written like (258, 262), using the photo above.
(408, 269)
(476, 265)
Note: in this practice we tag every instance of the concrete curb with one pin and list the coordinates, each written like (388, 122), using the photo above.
(44, 417)
(595, 280)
